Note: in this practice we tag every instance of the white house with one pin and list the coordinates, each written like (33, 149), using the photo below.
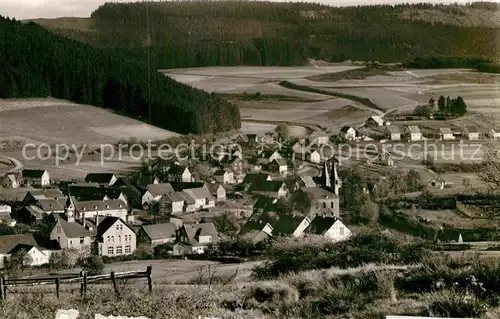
(348, 133)
(266, 157)
(446, 134)
(34, 255)
(92, 208)
(314, 157)
(10, 181)
(218, 191)
(115, 238)
(329, 227)
(494, 134)
(155, 191)
(470, 133)
(413, 133)
(393, 133)
(36, 177)
(179, 173)
(198, 236)
(197, 199)
(225, 176)
(71, 234)
(280, 166)
(171, 203)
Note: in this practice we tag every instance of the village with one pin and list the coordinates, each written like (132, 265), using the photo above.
(266, 186)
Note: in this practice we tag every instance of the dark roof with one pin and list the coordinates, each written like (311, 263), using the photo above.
(107, 223)
(346, 128)
(50, 205)
(51, 193)
(73, 229)
(160, 231)
(160, 189)
(318, 192)
(100, 205)
(9, 242)
(268, 153)
(101, 178)
(33, 173)
(251, 178)
(177, 169)
(172, 197)
(266, 204)
(183, 185)
(257, 222)
(319, 225)
(287, 224)
(266, 186)
(83, 193)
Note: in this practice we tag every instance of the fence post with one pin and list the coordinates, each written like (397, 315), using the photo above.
(115, 286)
(4, 291)
(149, 271)
(57, 287)
(2, 284)
(209, 276)
(82, 284)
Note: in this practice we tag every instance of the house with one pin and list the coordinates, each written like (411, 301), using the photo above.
(237, 154)
(446, 134)
(155, 191)
(348, 133)
(72, 234)
(34, 195)
(115, 238)
(314, 157)
(291, 225)
(198, 236)
(218, 191)
(157, 234)
(494, 134)
(323, 202)
(254, 178)
(470, 133)
(258, 227)
(180, 186)
(413, 133)
(280, 166)
(299, 147)
(275, 189)
(171, 204)
(29, 215)
(197, 198)
(329, 227)
(5, 215)
(265, 204)
(224, 176)
(92, 208)
(103, 179)
(36, 252)
(234, 163)
(179, 173)
(36, 177)
(267, 156)
(10, 180)
(393, 133)
(374, 120)
(51, 206)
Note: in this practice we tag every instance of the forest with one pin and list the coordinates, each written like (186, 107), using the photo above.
(37, 62)
(200, 33)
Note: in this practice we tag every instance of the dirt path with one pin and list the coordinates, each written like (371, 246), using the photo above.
(17, 164)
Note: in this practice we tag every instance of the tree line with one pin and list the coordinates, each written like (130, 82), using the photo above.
(199, 33)
(442, 108)
(37, 62)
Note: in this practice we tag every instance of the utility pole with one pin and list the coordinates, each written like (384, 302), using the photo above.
(149, 66)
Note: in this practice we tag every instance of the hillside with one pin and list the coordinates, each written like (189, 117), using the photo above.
(197, 33)
(39, 63)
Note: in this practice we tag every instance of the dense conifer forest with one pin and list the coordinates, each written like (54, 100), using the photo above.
(38, 63)
(202, 33)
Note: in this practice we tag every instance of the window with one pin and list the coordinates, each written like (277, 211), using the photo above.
(71, 242)
(127, 249)
(324, 205)
(58, 229)
(110, 250)
(119, 250)
(109, 239)
(121, 227)
(119, 238)
(117, 227)
(341, 229)
(333, 205)
(81, 240)
(113, 238)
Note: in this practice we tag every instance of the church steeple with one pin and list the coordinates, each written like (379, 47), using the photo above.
(69, 210)
(330, 176)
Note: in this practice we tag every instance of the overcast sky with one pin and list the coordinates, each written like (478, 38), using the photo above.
(28, 9)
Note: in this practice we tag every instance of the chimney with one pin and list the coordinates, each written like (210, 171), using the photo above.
(84, 222)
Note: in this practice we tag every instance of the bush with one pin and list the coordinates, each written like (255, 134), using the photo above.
(93, 265)
(455, 305)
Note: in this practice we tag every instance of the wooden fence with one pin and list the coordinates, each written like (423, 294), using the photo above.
(81, 278)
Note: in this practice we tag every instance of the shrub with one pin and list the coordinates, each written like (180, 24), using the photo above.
(93, 265)
(454, 305)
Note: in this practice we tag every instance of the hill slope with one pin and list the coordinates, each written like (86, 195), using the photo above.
(38, 63)
(199, 33)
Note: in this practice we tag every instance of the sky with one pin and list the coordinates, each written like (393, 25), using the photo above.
(29, 9)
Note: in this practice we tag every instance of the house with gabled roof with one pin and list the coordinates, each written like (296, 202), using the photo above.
(314, 157)
(71, 234)
(265, 204)
(201, 197)
(92, 208)
(374, 120)
(323, 202)
(171, 204)
(291, 225)
(255, 178)
(470, 133)
(157, 234)
(348, 132)
(446, 134)
(218, 191)
(103, 179)
(329, 227)
(115, 237)
(36, 251)
(198, 236)
(34, 195)
(36, 177)
(276, 189)
(179, 173)
(267, 156)
(155, 191)
(280, 166)
(235, 163)
(258, 227)
(10, 180)
(393, 133)
(413, 133)
(224, 176)
(494, 134)
(51, 206)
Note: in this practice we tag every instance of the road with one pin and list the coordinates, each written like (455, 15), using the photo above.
(17, 164)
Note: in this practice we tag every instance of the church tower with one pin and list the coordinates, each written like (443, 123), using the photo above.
(69, 210)
(330, 177)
